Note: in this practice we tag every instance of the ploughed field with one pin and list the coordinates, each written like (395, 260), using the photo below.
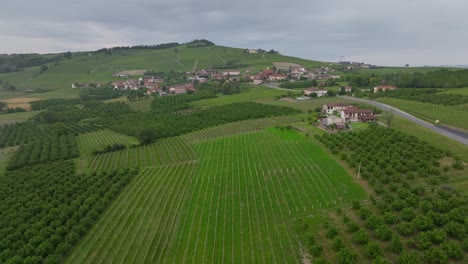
(223, 199)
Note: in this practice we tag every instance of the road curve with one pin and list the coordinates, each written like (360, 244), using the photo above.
(413, 119)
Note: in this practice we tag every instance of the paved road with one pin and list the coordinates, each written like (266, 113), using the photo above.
(277, 87)
(458, 136)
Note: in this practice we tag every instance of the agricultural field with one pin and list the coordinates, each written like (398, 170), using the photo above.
(5, 155)
(415, 213)
(16, 117)
(452, 115)
(462, 91)
(244, 192)
(100, 67)
(89, 142)
(141, 105)
(163, 152)
(240, 127)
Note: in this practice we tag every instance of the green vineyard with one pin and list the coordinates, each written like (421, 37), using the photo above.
(89, 142)
(233, 205)
(163, 152)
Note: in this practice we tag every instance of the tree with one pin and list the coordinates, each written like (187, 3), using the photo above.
(146, 136)
(68, 55)
(408, 257)
(3, 105)
(331, 93)
(44, 68)
(347, 256)
(176, 50)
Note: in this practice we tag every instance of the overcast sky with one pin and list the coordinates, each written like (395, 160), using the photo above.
(384, 32)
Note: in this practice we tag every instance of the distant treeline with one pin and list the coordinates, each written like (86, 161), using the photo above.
(434, 79)
(192, 44)
(424, 95)
(17, 62)
(443, 78)
(196, 43)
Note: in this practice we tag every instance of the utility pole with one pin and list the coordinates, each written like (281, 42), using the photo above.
(341, 58)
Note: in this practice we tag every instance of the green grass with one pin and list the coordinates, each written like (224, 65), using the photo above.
(89, 142)
(462, 91)
(452, 115)
(359, 126)
(235, 204)
(16, 117)
(255, 94)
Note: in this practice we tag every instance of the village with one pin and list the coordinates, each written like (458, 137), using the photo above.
(279, 73)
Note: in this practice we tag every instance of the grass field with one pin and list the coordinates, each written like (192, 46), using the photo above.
(234, 205)
(16, 117)
(89, 142)
(452, 115)
(359, 126)
(462, 91)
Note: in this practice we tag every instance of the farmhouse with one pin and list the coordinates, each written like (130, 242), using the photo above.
(347, 88)
(284, 66)
(181, 88)
(257, 80)
(384, 87)
(356, 114)
(319, 92)
(330, 108)
(231, 72)
(277, 77)
(333, 120)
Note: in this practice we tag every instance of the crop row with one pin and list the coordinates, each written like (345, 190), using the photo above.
(145, 216)
(44, 150)
(246, 191)
(413, 216)
(46, 208)
(89, 142)
(163, 152)
(239, 128)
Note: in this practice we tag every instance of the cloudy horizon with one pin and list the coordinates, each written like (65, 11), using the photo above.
(415, 32)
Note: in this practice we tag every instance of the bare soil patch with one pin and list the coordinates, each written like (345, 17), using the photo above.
(22, 102)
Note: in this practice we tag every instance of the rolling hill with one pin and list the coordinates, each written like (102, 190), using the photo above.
(99, 67)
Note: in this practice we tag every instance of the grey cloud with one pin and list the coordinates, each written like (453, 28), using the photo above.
(382, 32)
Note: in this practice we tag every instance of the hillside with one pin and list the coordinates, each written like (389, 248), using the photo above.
(99, 67)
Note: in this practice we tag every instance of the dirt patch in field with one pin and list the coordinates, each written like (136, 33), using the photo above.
(22, 102)
(290, 100)
(131, 72)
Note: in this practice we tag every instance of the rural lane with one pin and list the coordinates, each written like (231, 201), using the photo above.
(455, 135)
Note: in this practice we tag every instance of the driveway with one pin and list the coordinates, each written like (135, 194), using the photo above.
(444, 131)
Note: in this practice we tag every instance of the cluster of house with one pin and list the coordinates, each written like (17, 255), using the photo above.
(346, 113)
(153, 85)
(353, 65)
(282, 71)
